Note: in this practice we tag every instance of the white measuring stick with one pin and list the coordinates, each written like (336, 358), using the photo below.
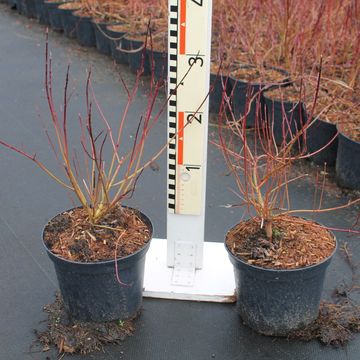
(188, 82)
(185, 249)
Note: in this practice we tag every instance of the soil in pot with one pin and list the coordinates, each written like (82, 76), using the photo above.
(285, 113)
(72, 237)
(246, 84)
(94, 286)
(85, 33)
(68, 20)
(279, 282)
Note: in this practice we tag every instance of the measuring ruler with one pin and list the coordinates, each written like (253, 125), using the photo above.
(189, 63)
(188, 84)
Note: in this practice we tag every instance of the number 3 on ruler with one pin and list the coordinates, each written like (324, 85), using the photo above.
(194, 60)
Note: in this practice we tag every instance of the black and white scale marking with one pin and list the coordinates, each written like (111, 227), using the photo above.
(172, 108)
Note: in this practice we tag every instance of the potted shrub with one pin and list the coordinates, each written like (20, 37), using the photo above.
(279, 259)
(98, 249)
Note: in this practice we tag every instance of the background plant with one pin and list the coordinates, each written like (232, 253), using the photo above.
(261, 168)
(99, 185)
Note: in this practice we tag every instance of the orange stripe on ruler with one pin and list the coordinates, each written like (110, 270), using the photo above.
(180, 137)
(182, 26)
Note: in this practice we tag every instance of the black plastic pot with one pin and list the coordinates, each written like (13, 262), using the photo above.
(69, 23)
(247, 98)
(286, 118)
(119, 55)
(218, 85)
(246, 101)
(27, 8)
(348, 163)
(12, 3)
(20, 6)
(135, 52)
(41, 12)
(276, 302)
(158, 63)
(116, 37)
(54, 14)
(318, 135)
(103, 38)
(85, 33)
(91, 292)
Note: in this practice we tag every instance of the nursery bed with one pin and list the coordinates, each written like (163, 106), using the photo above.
(166, 330)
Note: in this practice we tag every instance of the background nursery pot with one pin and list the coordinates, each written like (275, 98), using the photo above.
(322, 134)
(276, 302)
(347, 164)
(158, 63)
(286, 117)
(135, 52)
(85, 33)
(103, 37)
(68, 20)
(55, 18)
(247, 91)
(91, 291)
(218, 84)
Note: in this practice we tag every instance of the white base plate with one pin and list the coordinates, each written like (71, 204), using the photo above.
(214, 282)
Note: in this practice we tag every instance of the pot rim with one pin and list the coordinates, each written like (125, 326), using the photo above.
(285, 73)
(103, 262)
(345, 136)
(285, 270)
(82, 17)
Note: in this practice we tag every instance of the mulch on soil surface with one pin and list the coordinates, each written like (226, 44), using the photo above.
(255, 75)
(296, 243)
(293, 92)
(71, 336)
(71, 236)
